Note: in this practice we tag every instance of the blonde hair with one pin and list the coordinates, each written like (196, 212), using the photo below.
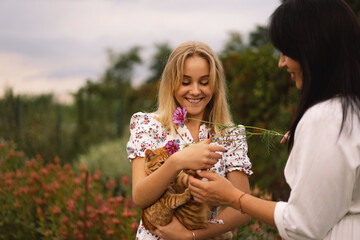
(217, 110)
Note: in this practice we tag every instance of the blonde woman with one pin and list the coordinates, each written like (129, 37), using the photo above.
(193, 78)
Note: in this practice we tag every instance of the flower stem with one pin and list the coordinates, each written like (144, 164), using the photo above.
(246, 127)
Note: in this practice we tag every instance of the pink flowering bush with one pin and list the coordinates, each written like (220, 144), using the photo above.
(52, 201)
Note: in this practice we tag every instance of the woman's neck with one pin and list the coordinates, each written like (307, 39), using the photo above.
(194, 128)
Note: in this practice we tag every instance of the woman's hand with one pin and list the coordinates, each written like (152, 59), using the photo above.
(215, 192)
(173, 231)
(198, 156)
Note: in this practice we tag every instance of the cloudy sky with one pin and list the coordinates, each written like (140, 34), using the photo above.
(55, 45)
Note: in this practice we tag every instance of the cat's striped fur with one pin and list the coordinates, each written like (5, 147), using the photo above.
(176, 200)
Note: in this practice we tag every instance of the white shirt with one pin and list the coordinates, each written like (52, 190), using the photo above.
(323, 172)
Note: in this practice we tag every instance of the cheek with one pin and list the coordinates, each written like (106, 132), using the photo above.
(209, 92)
(178, 92)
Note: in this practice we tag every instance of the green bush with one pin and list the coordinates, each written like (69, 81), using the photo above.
(109, 157)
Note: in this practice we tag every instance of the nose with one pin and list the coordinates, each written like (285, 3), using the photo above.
(195, 89)
(282, 61)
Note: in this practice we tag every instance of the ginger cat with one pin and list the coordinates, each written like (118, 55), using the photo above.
(176, 200)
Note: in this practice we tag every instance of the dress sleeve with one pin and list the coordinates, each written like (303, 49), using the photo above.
(236, 157)
(144, 134)
(321, 176)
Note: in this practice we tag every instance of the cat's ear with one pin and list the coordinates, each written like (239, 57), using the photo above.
(149, 155)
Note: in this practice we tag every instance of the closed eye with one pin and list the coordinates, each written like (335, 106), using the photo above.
(204, 83)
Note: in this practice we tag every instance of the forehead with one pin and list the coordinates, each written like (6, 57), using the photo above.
(196, 63)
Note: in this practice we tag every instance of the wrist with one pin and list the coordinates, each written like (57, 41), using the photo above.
(235, 200)
(193, 235)
(173, 160)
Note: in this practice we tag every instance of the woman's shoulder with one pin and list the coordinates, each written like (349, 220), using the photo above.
(144, 119)
(327, 110)
(143, 115)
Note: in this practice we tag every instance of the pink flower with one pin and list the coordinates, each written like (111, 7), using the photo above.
(65, 220)
(111, 184)
(16, 204)
(125, 180)
(127, 213)
(55, 210)
(172, 147)
(97, 175)
(115, 221)
(44, 172)
(134, 226)
(179, 115)
(70, 205)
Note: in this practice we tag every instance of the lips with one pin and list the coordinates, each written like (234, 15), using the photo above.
(292, 74)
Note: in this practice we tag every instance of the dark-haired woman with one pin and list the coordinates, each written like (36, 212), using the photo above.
(319, 41)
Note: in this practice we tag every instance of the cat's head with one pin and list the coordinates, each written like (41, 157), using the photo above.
(154, 159)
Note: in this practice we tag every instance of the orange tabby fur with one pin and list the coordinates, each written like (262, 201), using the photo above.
(176, 200)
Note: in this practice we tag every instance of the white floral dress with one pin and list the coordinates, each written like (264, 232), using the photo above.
(147, 133)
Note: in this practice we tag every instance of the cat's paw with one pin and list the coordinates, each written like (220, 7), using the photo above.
(187, 194)
(190, 172)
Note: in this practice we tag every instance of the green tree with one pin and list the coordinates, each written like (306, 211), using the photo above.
(233, 45)
(259, 37)
(158, 62)
(103, 106)
(35, 124)
(121, 69)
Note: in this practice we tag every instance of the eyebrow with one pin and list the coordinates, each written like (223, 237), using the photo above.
(202, 77)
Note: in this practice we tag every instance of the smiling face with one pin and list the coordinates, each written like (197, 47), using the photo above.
(293, 67)
(194, 91)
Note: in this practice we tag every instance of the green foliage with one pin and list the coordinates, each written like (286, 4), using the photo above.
(108, 157)
(259, 37)
(103, 107)
(121, 67)
(37, 124)
(158, 61)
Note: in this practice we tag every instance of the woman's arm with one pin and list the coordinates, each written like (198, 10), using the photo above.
(231, 217)
(220, 191)
(147, 189)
